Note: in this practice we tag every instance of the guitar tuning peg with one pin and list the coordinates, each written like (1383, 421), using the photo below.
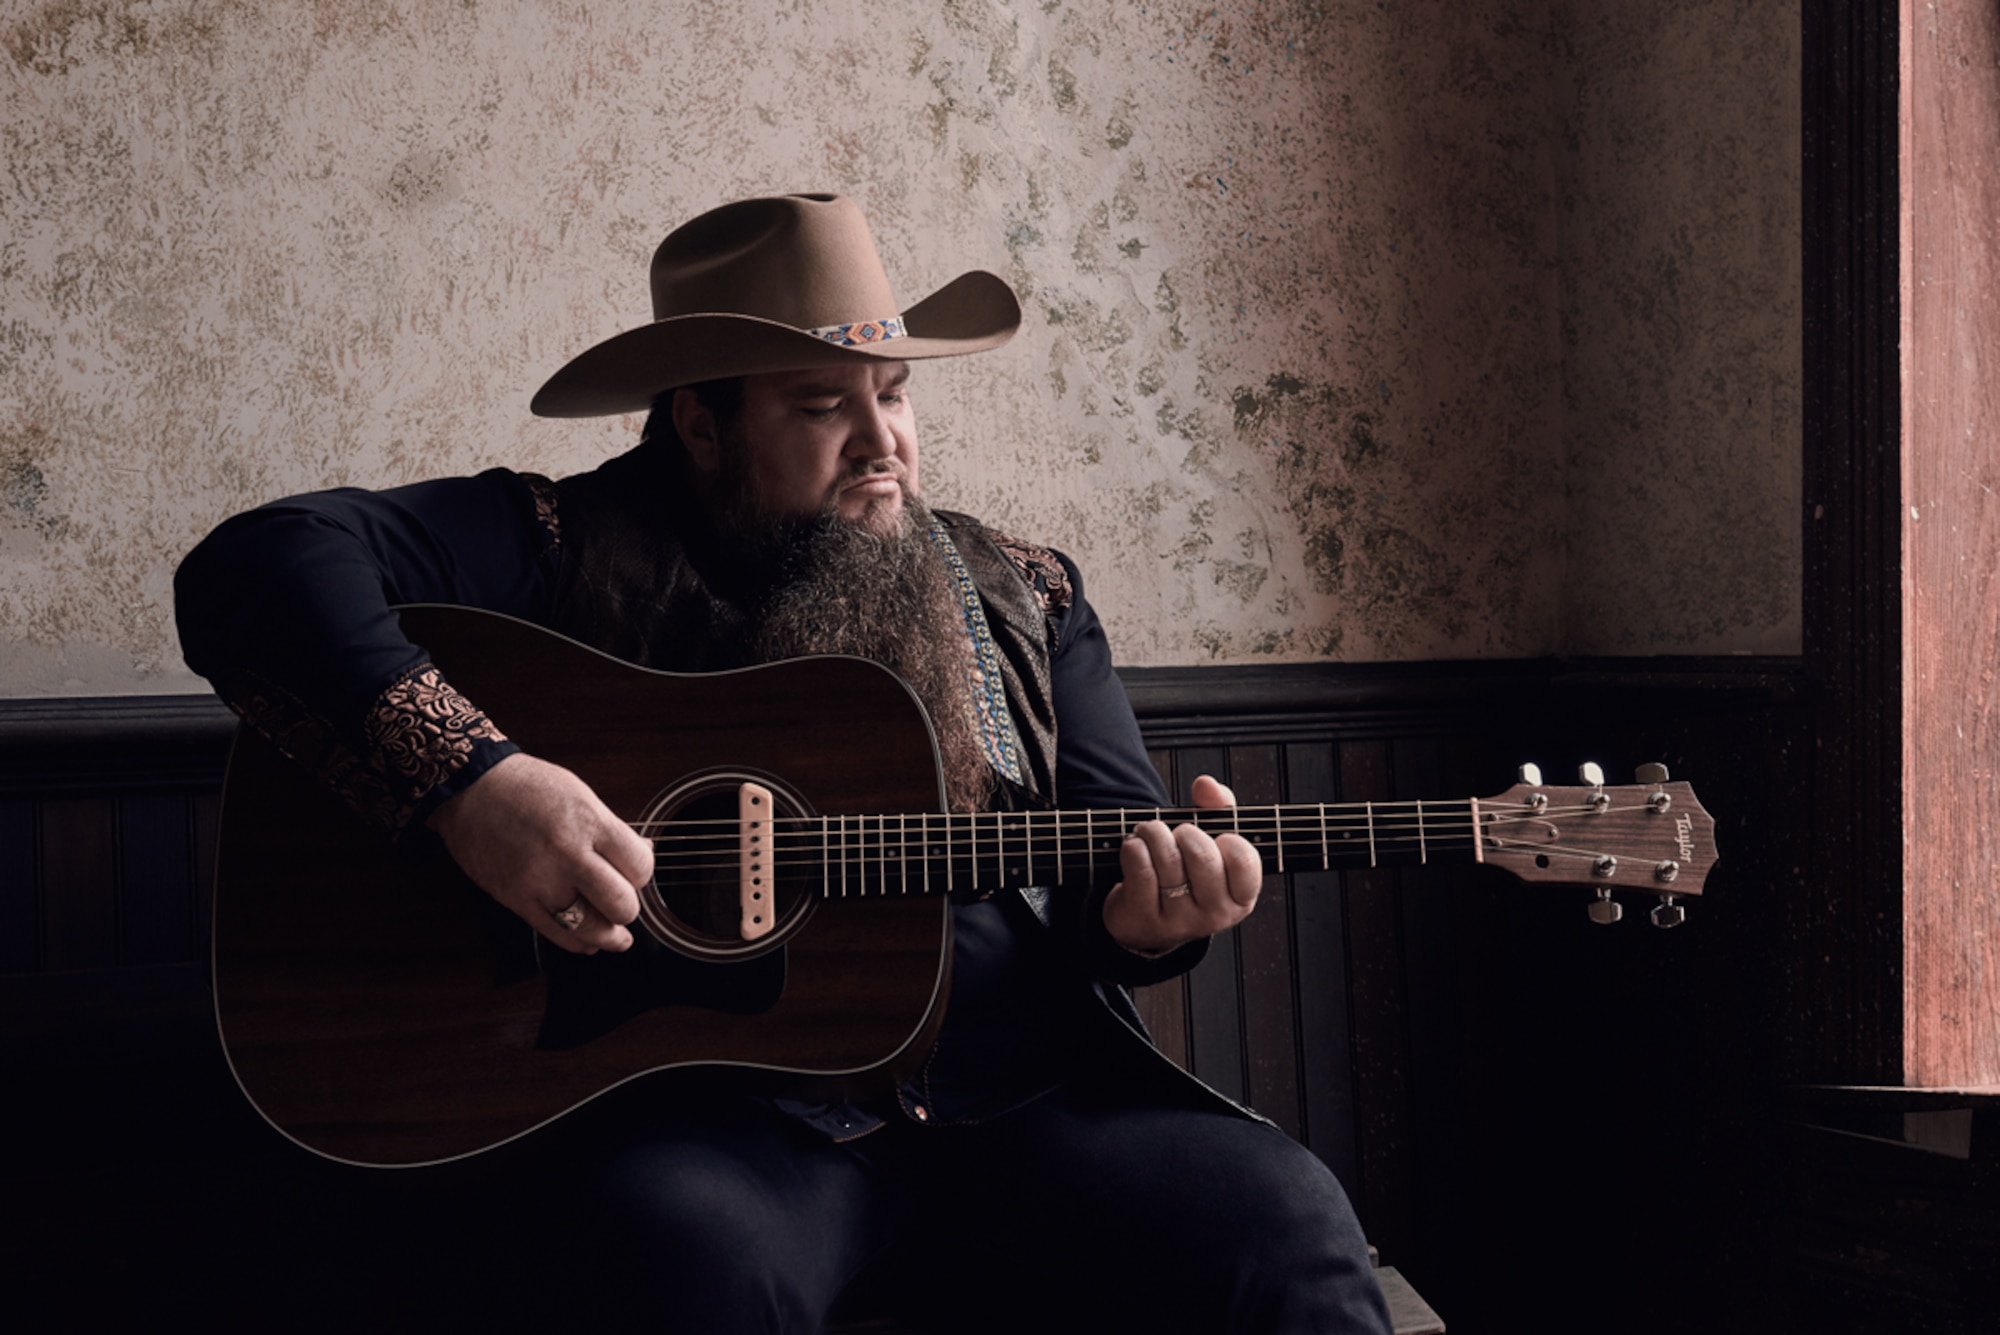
(1667, 913)
(1591, 772)
(1604, 910)
(1650, 774)
(1531, 774)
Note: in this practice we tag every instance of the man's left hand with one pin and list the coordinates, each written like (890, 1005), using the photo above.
(1181, 884)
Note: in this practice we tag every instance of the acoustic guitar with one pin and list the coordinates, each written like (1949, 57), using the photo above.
(379, 1009)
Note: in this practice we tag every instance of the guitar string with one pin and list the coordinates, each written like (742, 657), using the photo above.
(925, 826)
(858, 857)
(880, 847)
(1262, 819)
(1301, 813)
(924, 829)
(862, 890)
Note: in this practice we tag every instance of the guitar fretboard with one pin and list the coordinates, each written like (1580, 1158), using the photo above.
(854, 856)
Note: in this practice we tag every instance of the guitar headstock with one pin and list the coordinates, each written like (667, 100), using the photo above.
(1648, 837)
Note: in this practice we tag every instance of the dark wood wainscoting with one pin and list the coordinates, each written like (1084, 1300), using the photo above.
(1545, 1123)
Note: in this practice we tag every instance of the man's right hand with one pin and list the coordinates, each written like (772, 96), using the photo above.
(536, 838)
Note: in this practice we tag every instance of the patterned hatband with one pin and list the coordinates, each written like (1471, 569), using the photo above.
(864, 331)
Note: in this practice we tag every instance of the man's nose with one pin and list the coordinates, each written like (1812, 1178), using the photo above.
(869, 436)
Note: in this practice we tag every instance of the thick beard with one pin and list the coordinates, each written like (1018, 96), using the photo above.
(828, 585)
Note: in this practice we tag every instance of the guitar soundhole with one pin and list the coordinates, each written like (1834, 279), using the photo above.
(695, 901)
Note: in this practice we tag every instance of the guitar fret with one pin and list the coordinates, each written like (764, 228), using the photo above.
(1368, 809)
(1278, 822)
(1325, 857)
(1059, 846)
(1423, 853)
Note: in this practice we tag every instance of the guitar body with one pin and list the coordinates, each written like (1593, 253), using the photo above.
(378, 1008)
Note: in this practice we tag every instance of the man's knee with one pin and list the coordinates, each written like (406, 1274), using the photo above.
(697, 1242)
(1301, 1259)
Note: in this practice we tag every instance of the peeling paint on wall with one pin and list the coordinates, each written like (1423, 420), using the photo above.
(1337, 314)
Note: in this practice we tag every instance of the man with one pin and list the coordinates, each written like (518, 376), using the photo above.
(1044, 1165)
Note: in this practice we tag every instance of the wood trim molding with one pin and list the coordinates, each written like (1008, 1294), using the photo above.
(58, 745)
(1183, 705)
(100, 743)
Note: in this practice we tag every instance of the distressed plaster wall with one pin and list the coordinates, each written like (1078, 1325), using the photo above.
(1680, 261)
(1335, 310)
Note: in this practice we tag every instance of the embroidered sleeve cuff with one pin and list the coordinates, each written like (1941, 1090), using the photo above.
(421, 741)
(422, 734)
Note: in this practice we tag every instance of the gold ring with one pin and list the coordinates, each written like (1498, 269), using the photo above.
(1174, 891)
(571, 918)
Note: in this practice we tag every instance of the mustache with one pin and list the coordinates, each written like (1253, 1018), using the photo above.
(869, 469)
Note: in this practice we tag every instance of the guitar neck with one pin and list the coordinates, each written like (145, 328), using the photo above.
(871, 856)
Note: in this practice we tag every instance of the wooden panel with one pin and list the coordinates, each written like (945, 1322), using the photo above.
(155, 880)
(1326, 1049)
(205, 816)
(1437, 983)
(1849, 951)
(20, 900)
(1264, 944)
(1951, 543)
(1386, 1197)
(79, 883)
(1163, 1007)
(1494, 1041)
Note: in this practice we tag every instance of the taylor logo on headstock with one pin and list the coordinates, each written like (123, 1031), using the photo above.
(1609, 838)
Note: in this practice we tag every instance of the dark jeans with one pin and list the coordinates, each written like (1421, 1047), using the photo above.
(1081, 1211)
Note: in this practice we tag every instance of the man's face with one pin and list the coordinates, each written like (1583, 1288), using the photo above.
(841, 437)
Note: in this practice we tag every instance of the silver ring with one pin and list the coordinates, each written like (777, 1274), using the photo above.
(571, 918)
(1174, 891)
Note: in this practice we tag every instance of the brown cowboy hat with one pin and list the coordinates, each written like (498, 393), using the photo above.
(774, 285)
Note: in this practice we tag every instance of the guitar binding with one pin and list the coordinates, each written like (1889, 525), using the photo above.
(691, 905)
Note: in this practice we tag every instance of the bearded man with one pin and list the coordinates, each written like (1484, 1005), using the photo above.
(1043, 1167)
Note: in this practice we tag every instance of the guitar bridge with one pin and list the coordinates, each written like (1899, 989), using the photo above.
(753, 860)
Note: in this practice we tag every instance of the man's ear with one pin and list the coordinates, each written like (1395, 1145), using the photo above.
(696, 427)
